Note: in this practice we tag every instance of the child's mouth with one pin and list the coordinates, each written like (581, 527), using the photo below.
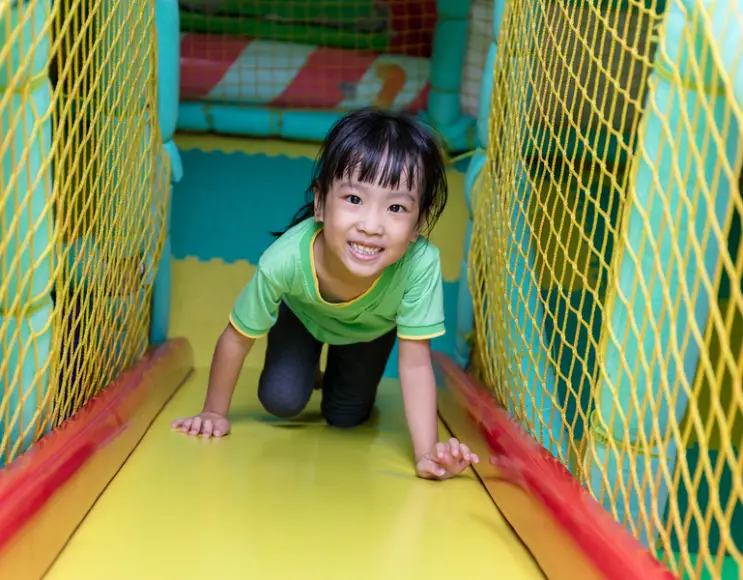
(362, 252)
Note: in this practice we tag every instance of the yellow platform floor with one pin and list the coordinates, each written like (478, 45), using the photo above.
(284, 500)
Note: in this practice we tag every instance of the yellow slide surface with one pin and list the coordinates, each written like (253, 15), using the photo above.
(281, 499)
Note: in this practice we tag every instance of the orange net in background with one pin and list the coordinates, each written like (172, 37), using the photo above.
(83, 192)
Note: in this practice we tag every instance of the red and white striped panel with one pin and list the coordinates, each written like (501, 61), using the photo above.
(254, 71)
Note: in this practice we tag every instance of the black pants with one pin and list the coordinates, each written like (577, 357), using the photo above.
(349, 385)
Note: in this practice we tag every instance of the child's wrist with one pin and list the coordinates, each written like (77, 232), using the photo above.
(420, 454)
(214, 411)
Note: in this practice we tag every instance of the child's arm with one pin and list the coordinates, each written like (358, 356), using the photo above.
(433, 459)
(227, 361)
(418, 394)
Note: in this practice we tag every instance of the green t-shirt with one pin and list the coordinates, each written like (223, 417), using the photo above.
(408, 295)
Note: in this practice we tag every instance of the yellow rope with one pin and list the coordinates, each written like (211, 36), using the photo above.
(457, 158)
(34, 83)
(551, 224)
(81, 212)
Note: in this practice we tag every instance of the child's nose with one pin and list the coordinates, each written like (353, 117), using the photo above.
(371, 224)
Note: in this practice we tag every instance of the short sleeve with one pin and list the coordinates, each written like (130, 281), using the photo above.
(256, 307)
(421, 312)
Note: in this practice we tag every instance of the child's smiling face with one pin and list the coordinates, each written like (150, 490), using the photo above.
(368, 227)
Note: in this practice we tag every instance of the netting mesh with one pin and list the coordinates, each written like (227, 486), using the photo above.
(606, 264)
(83, 190)
(329, 54)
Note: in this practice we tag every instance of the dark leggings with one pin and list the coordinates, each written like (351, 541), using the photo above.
(349, 385)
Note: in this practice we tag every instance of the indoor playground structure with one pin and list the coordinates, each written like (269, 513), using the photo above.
(593, 286)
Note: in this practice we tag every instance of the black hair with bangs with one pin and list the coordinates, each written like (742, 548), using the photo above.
(388, 149)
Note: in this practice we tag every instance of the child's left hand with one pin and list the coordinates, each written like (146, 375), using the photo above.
(446, 460)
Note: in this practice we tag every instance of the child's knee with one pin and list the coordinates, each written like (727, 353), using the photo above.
(347, 420)
(281, 404)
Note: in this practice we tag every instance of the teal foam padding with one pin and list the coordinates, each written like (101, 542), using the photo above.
(227, 204)
(32, 333)
(245, 121)
(459, 136)
(465, 318)
(656, 6)
(522, 291)
(486, 97)
(730, 570)
(307, 125)
(230, 218)
(577, 143)
(727, 38)
(476, 165)
(176, 163)
(160, 318)
(26, 262)
(167, 24)
(447, 61)
(465, 307)
(23, 212)
(701, 499)
(573, 325)
(461, 165)
(468, 239)
(229, 119)
(19, 55)
(87, 254)
(499, 8)
(192, 117)
(453, 9)
(251, 121)
(444, 107)
(574, 319)
(640, 261)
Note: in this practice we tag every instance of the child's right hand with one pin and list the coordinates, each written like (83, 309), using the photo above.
(205, 424)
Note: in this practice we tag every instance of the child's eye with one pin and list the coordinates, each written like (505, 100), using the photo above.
(397, 208)
(354, 199)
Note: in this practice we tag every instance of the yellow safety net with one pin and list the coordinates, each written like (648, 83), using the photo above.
(606, 260)
(83, 193)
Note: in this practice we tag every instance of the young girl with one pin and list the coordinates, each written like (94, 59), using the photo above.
(353, 271)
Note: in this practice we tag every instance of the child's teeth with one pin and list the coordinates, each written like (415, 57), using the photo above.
(364, 249)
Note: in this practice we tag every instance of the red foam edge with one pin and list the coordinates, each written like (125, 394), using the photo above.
(522, 461)
(28, 483)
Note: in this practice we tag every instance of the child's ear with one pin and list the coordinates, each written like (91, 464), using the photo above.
(318, 209)
(417, 231)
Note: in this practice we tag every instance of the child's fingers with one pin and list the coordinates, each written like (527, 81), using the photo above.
(201, 426)
(430, 469)
(207, 428)
(221, 428)
(454, 448)
(195, 426)
(467, 455)
(442, 452)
